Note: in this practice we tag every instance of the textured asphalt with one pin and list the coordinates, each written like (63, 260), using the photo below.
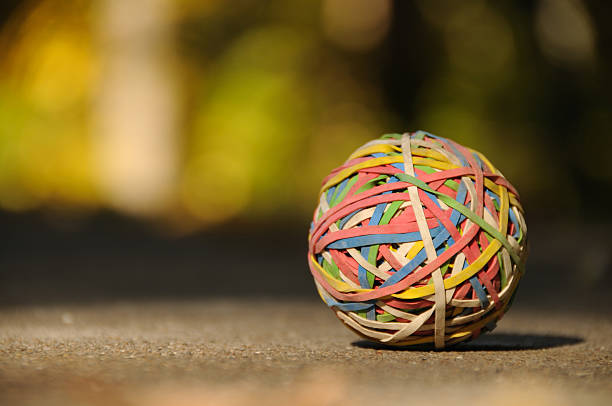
(251, 352)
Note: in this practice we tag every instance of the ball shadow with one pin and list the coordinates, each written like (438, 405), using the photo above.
(490, 342)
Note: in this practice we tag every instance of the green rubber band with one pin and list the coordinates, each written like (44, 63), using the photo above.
(450, 202)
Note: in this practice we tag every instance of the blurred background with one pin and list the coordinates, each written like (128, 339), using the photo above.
(174, 148)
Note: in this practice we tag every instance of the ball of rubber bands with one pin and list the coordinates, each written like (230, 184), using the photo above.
(417, 240)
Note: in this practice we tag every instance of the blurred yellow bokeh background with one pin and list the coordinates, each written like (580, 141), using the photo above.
(202, 112)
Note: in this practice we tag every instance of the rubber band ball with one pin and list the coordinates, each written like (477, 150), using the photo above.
(417, 240)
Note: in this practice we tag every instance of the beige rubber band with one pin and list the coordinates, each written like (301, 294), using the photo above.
(440, 296)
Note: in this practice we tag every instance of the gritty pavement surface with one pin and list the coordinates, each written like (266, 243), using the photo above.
(230, 352)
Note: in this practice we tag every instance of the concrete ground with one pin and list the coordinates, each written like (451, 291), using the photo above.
(230, 352)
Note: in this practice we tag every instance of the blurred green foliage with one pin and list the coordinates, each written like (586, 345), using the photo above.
(270, 96)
